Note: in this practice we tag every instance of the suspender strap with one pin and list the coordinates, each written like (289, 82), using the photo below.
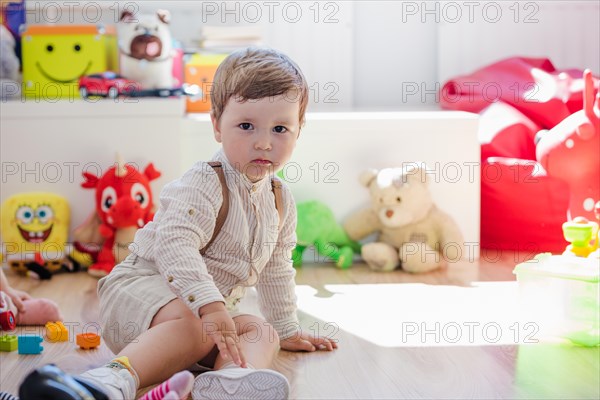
(222, 215)
(276, 187)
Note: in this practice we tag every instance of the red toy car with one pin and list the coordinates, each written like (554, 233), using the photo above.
(107, 84)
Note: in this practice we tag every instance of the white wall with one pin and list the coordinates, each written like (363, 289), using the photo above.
(46, 146)
(566, 32)
(369, 54)
(334, 148)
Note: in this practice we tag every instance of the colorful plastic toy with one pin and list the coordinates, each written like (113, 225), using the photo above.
(88, 341)
(583, 236)
(35, 233)
(7, 318)
(111, 85)
(30, 344)
(569, 151)
(56, 332)
(8, 343)
(56, 56)
(107, 84)
(123, 204)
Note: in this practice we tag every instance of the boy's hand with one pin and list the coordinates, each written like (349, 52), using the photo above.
(306, 342)
(219, 326)
(17, 297)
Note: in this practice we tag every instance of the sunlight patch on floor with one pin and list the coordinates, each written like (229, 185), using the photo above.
(414, 315)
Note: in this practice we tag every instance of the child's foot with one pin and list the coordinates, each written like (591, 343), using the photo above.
(241, 383)
(118, 384)
(176, 387)
(38, 312)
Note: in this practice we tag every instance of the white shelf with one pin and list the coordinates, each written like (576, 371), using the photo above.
(117, 108)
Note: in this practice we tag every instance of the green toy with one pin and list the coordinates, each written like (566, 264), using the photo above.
(317, 226)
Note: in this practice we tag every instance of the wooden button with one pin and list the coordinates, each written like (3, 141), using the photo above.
(170, 279)
(191, 298)
(191, 211)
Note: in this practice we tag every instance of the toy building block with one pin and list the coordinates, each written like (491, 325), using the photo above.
(56, 332)
(88, 341)
(30, 344)
(200, 70)
(8, 343)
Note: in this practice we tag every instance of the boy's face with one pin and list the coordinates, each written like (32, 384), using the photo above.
(258, 136)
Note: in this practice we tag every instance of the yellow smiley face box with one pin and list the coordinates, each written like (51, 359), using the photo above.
(34, 227)
(55, 57)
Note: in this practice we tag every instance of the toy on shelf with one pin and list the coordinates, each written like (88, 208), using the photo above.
(583, 236)
(569, 151)
(146, 49)
(123, 204)
(35, 233)
(30, 344)
(107, 84)
(56, 332)
(8, 343)
(10, 86)
(317, 226)
(56, 56)
(200, 71)
(412, 232)
(88, 341)
(112, 85)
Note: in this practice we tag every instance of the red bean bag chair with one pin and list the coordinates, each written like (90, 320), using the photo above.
(522, 206)
(531, 85)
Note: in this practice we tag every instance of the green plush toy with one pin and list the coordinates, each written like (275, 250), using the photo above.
(317, 226)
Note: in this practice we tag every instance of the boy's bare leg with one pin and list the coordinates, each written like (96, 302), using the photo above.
(258, 340)
(174, 342)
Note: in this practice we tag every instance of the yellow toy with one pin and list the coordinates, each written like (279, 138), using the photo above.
(57, 332)
(56, 56)
(34, 230)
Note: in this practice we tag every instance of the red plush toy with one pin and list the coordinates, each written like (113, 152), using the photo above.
(570, 151)
(123, 204)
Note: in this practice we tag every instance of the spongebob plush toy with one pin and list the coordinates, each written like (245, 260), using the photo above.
(34, 230)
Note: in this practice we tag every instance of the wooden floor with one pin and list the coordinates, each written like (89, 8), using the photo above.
(448, 334)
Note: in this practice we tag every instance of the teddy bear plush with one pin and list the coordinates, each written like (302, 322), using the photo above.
(412, 232)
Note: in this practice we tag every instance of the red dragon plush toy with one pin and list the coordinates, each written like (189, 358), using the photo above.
(570, 151)
(123, 204)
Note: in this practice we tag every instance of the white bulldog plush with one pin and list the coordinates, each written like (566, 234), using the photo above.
(145, 47)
